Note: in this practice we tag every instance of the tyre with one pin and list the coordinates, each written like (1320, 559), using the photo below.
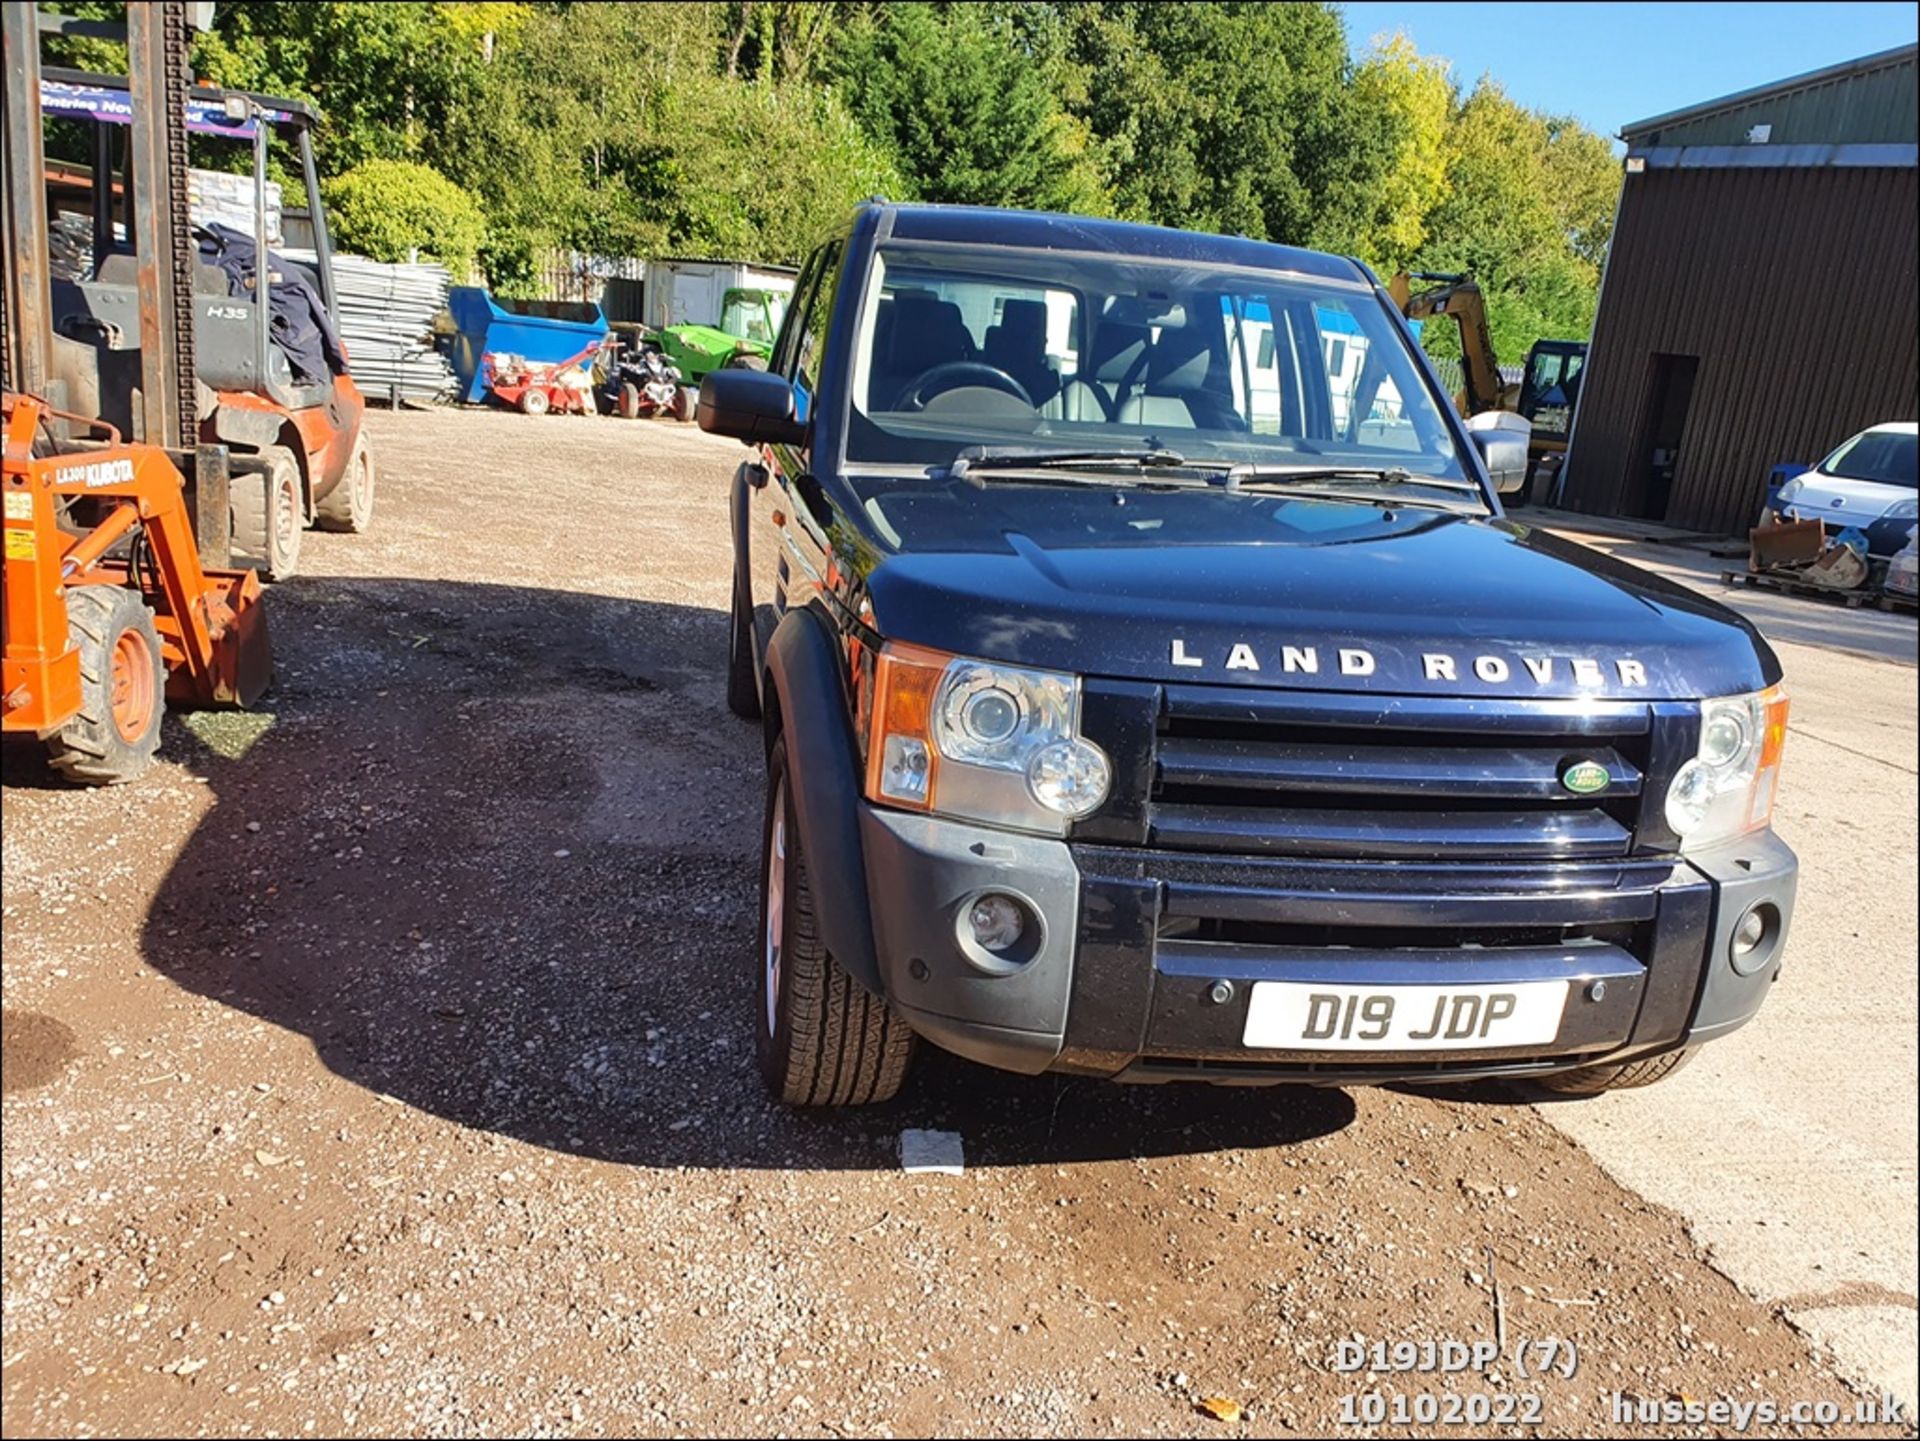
(269, 515)
(123, 688)
(743, 686)
(685, 400)
(823, 1039)
(1628, 1076)
(629, 401)
(533, 401)
(348, 506)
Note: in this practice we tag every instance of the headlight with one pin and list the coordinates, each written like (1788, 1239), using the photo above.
(1727, 788)
(1903, 510)
(1787, 492)
(981, 741)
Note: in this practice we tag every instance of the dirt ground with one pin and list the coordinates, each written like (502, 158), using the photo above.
(382, 1064)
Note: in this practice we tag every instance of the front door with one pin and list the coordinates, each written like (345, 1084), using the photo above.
(1664, 421)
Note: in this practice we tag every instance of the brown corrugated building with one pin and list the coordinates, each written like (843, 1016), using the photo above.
(1761, 299)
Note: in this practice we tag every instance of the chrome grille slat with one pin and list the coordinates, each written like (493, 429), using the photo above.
(1351, 777)
(1503, 773)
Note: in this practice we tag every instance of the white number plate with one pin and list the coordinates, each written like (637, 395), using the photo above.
(1302, 1016)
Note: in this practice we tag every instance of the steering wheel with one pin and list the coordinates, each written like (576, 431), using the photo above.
(951, 376)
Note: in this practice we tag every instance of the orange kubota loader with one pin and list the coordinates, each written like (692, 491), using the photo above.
(116, 596)
(109, 613)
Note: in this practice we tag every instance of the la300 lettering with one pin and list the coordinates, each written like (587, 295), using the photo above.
(1436, 667)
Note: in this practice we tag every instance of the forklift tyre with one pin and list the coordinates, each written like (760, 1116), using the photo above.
(269, 516)
(123, 688)
(348, 506)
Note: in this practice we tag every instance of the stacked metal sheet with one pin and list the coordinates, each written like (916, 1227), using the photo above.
(385, 315)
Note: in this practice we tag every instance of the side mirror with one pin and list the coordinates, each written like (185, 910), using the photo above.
(753, 406)
(1501, 438)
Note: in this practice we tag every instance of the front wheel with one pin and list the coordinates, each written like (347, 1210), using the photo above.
(534, 401)
(1628, 1076)
(348, 506)
(123, 688)
(685, 400)
(269, 516)
(822, 1038)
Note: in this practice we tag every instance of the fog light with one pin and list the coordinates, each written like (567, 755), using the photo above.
(1756, 936)
(999, 934)
(998, 922)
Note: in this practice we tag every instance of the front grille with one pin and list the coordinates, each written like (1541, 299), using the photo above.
(1396, 778)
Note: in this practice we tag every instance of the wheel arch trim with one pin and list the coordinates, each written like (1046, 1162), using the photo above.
(823, 778)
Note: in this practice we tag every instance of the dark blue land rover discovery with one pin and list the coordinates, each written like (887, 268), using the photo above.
(1154, 688)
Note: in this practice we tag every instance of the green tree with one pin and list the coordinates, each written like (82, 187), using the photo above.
(389, 79)
(1415, 90)
(390, 209)
(967, 113)
(719, 195)
(1528, 212)
(1232, 117)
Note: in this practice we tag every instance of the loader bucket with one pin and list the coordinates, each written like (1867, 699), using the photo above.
(242, 655)
(1794, 543)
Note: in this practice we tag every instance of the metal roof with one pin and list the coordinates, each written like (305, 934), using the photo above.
(1871, 100)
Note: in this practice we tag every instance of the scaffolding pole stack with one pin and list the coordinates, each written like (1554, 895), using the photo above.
(386, 315)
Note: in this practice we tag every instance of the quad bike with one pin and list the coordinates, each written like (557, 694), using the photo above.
(642, 382)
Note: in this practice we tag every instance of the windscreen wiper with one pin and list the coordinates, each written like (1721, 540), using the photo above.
(1280, 477)
(1012, 457)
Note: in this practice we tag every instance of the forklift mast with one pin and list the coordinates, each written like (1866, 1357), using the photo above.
(157, 38)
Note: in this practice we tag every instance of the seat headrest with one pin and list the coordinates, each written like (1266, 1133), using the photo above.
(1180, 361)
(1024, 322)
(1116, 349)
(927, 332)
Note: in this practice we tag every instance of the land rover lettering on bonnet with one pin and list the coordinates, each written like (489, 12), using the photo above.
(1153, 687)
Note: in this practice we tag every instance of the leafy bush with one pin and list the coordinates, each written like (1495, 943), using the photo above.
(387, 209)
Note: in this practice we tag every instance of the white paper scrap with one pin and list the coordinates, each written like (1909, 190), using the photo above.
(931, 1152)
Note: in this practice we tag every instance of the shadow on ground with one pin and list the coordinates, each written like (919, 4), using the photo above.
(493, 851)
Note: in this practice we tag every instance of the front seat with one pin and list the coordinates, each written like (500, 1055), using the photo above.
(1181, 387)
(926, 332)
(1018, 346)
(1115, 361)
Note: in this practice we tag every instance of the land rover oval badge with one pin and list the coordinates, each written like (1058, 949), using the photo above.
(1585, 778)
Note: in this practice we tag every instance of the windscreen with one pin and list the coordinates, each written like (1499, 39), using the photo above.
(1030, 347)
(1885, 456)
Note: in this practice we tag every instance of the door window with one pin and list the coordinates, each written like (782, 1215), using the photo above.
(813, 331)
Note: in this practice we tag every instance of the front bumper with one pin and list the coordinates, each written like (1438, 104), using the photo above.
(1123, 980)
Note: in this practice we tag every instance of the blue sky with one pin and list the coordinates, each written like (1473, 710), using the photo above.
(1610, 64)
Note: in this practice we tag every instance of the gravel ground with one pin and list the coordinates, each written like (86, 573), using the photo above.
(382, 1063)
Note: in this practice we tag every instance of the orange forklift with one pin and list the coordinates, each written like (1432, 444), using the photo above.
(118, 592)
(275, 387)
